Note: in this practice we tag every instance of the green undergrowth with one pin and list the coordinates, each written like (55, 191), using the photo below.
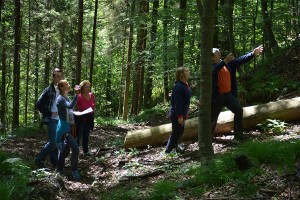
(14, 173)
(221, 171)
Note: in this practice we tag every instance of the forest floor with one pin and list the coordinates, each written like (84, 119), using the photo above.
(110, 166)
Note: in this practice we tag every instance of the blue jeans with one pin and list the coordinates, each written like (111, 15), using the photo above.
(50, 147)
(84, 132)
(177, 131)
(230, 102)
(64, 150)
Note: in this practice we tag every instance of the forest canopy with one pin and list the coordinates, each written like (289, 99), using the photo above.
(130, 49)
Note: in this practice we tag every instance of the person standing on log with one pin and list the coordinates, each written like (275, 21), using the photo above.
(180, 102)
(46, 104)
(224, 87)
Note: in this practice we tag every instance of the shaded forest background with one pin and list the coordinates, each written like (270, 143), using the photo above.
(129, 50)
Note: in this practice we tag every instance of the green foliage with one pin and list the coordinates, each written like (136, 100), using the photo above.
(272, 125)
(5, 191)
(163, 190)
(25, 131)
(275, 153)
(15, 173)
(121, 194)
(223, 170)
(158, 112)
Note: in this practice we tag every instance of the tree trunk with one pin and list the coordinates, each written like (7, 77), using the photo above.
(93, 42)
(137, 97)
(149, 78)
(269, 35)
(229, 13)
(36, 73)
(16, 89)
(181, 33)
(165, 48)
(204, 117)
(128, 70)
(3, 69)
(62, 47)
(285, 110)
(28, 64)
(79, 42)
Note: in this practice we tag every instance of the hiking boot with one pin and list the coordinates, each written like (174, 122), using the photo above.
(76, 175)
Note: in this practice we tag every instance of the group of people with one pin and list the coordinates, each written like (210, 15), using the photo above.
(57, 109)
(65, 130)
(224, 94)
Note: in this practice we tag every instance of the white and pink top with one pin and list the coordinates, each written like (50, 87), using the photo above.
(83, 103)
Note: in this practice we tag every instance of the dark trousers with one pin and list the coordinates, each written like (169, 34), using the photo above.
(230, 102)
(84, 133)
(64, 150)
(177, 131)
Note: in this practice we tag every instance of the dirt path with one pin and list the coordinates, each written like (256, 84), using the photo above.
(110, 165)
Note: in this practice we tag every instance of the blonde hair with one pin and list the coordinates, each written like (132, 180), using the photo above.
(179, 73)
(61, 84)
(84, 83)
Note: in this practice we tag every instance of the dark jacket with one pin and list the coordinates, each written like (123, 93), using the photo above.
(46, 100)
(180, 99)
(232, 67)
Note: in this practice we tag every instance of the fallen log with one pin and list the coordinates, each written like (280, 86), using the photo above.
(285, 110)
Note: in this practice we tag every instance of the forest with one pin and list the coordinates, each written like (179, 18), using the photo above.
(129, 51)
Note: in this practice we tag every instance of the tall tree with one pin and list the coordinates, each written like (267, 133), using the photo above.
(149, 77)
(204, 117)
(3, 68)
(93, 42)
(17, 41)
(129, 63)
(28, 63)
(138, 87)
(165, 50)
(79, 42)
(181, 32)
(271, 43)
(229, 14)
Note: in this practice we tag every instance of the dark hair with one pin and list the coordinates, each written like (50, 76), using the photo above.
(179, 72)
(55, 70)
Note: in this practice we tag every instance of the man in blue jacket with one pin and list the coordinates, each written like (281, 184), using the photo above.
(224, 87)
(46, 104)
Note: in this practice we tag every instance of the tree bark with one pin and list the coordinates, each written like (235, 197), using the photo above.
(181, 33)
(3, 68)
(269, 35)
(79, 42)
(16, 89)
(286, 110)
(93, 42)
(149, 78)
(165, 48)
(204, 119)
(129, 63)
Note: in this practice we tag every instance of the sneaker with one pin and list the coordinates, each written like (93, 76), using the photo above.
(76, 175)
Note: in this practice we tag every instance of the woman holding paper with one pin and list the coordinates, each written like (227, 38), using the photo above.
(85, 122)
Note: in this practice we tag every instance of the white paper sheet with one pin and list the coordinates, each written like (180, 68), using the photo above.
(89, 110)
